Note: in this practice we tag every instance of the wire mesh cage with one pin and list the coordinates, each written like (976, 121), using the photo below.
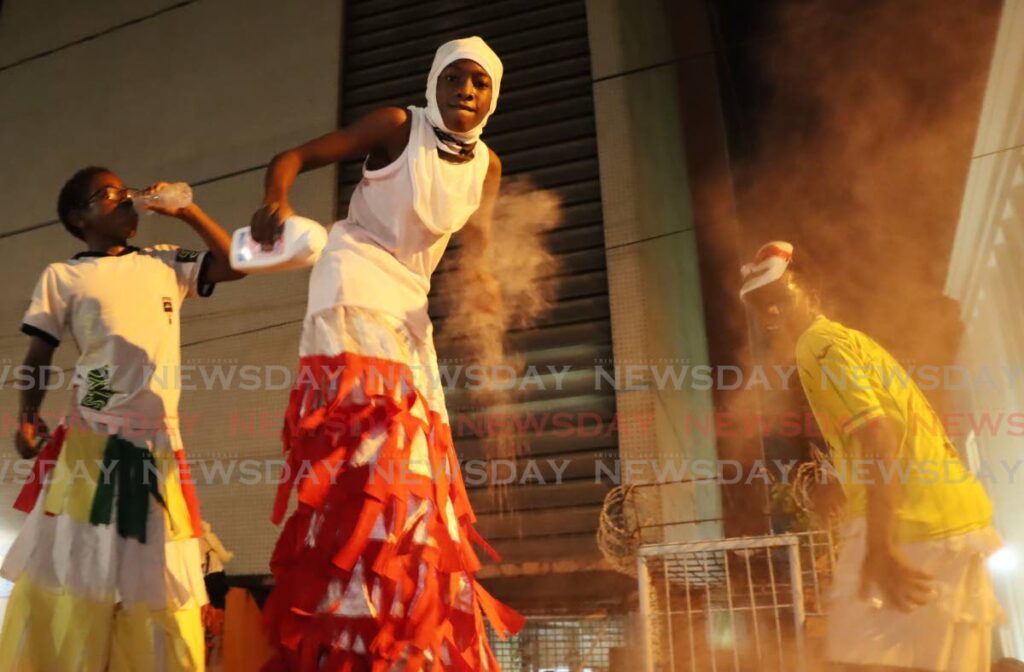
(750, 603)
(564, 644)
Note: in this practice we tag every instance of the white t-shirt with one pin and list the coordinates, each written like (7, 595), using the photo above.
(123, 313)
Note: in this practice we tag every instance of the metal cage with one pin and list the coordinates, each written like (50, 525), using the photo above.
(734, 604)
(564, 644)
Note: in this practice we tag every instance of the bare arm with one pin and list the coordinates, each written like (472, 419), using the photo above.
(217, 241)
(903, 585)
(31, 428)
(378, 129)
(880, 447)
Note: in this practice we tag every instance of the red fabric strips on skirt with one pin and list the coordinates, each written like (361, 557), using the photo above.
(374, 570)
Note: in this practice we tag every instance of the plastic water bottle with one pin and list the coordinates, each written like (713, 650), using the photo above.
(299, 246)
(172, 196)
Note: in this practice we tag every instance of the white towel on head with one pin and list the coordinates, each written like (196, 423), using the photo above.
(770, 264)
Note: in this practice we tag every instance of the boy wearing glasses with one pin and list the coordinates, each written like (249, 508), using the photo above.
(107, 566)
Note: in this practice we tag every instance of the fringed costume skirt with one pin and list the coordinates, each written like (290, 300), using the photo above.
(374, 569)
(107, 569)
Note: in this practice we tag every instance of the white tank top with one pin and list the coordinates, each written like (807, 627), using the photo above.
(383, 253)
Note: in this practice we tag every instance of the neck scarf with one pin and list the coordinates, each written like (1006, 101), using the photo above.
(452, 145)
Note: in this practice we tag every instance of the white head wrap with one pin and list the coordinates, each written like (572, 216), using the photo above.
(446, 195)
(469, 48)
(770, 264)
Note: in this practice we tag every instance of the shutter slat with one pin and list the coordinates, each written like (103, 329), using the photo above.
(573, 520)
(534, 497)
(517, 33)
(587, 435)
(413, 21)
(385, 91)
(513, 62)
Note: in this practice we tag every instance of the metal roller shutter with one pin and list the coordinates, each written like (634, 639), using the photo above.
(544, 128)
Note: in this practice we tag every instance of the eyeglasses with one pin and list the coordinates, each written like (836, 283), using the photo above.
(117, 194)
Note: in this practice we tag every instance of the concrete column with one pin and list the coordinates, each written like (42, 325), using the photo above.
(653, 272)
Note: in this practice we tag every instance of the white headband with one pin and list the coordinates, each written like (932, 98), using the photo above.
(770, 264)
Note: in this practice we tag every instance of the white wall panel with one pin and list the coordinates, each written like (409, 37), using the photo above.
(198, 92)
(31, 27)
(231, 430)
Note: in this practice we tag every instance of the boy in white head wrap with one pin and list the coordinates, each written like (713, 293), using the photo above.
(377, 571)
(910, 590)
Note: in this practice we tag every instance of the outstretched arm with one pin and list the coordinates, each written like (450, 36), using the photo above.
(378, 129)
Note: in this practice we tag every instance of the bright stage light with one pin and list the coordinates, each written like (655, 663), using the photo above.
(1003, 561)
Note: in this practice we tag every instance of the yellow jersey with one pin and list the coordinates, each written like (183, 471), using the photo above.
(850, 380)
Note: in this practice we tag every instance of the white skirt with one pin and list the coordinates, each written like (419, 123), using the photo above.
(61, 552)
(951, 633)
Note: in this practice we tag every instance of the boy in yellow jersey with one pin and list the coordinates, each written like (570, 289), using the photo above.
(911, 590)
